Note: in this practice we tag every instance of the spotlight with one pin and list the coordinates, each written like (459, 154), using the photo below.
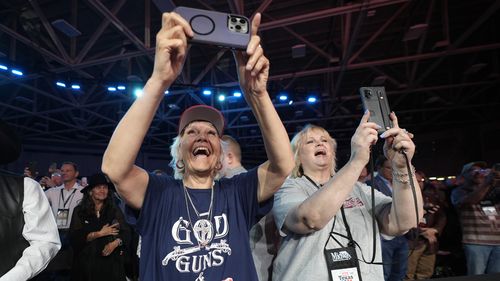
(167, 92)
(290, 102)
(138, 93)
(75, 87)
(311, 99)
(61, 84)
(222, 97)
(111, 89)
(237, 94)
(3, 67)
(283, 97)
(121, 87)
(207, 92)
(17, 72)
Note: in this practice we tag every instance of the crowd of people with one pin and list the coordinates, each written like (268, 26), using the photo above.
(297, 216)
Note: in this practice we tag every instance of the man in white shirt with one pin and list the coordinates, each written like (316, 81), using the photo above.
(63, 200)
(28, 236)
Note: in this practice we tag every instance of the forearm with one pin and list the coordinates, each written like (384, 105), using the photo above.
(402, 216)
(122, 150)
(475, 196)
(315, 212)
(275, 137)
(93, 235)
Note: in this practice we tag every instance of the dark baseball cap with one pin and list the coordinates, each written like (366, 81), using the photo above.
(468, 166)
(202, 113)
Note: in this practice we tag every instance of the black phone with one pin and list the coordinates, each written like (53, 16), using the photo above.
(375, 100)
(216, 28)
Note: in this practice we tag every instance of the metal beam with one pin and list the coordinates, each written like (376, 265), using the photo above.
(49, 29)
(33, 45)
(209, 66)
(422, 42)
(104, 24)
(352, 8)
(263, 6)
(378, 32)
(486, 15)
(117, 23)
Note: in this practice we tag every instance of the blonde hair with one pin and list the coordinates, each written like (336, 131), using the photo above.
(298, 141)
(176, 156)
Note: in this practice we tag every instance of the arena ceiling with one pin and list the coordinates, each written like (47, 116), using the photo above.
(438, 60)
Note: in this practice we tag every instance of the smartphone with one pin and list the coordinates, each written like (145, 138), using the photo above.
(84, 182)
(375, 100)
(215, 28)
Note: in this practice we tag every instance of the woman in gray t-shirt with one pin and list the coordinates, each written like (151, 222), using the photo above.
(308, 206)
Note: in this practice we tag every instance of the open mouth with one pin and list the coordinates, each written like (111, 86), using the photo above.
(201, 151)
(320, 152)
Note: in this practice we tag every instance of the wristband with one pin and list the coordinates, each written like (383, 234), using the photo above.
(403, 177)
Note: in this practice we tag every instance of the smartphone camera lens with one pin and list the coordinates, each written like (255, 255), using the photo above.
(238, 27)
(368, 94)
(233, 20)
(242, 21)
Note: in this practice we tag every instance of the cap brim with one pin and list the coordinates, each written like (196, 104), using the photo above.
(202, 113)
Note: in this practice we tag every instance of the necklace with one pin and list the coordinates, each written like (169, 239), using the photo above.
(202, 229)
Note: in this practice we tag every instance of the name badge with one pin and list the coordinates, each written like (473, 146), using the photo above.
(62, 217)
(342, 264)
(488, 208)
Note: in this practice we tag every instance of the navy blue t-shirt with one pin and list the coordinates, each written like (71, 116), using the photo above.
(173, 249)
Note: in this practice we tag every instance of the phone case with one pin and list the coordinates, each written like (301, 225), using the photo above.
(375, 100)
(214, 28)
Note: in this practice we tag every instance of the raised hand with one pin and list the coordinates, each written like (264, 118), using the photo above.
(253, 66)
(364, 137)
(397, 140)
(171, 48)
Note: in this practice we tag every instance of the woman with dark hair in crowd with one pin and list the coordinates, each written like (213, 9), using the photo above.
(98, 234)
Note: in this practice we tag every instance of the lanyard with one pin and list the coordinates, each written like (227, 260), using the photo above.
(67, 199)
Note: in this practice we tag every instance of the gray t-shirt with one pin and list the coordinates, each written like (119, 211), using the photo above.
(301, 256)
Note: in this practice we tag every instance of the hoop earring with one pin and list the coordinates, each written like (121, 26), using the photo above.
(178, 165)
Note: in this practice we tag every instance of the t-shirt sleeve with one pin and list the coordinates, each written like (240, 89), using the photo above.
(246, 186)
(143, 219)
(457, 196)
(287, 197)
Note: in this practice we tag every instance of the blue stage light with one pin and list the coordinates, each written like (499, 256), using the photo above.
(17, 72)
(283, 97)
(167, 92)
(138, 93)
(61, 84)
(311, 99)
(121, 87)
(75, 87)
(290, 102)
(112, 89)
(237, 94)
(3, 67)
(207, 92)
(222, 98)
